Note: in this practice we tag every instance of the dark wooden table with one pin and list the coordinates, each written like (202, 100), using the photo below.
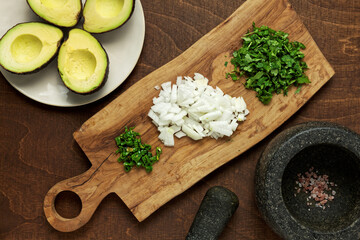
(37, 149)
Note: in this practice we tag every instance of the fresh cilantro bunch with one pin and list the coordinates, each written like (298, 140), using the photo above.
(270, 62)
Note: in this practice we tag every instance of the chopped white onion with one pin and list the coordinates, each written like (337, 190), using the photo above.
(167, 136)
(193, 108)
(180, 134)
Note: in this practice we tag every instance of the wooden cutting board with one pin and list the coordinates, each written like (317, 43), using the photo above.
(182, 166)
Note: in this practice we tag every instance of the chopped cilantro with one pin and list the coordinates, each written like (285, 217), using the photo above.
(270, 62)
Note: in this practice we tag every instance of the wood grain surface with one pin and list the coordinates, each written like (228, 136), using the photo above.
(38, 150)
(181, 166)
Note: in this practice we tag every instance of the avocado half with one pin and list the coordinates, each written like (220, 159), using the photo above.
(28, 47)
(62, 13)
(82, 62)
(106, 15)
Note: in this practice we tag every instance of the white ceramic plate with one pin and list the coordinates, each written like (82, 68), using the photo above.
(123, 46)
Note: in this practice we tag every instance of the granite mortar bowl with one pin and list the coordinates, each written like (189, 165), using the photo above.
(330, 150)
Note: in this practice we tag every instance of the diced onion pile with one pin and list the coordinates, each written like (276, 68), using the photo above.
(193, 108)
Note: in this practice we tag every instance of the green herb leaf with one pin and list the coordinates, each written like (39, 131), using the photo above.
(298, 89)
(270, 62)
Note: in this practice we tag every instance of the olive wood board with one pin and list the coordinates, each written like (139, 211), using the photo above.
(181, 166)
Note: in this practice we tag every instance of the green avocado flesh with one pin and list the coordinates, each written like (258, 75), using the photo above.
(82, 62)
(28, 47)
(63, 13)
(106, 15)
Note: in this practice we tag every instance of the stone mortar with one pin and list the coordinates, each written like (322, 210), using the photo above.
(332, 150)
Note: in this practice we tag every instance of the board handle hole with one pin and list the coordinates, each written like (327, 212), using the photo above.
(68, 204)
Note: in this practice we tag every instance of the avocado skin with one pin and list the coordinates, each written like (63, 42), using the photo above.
(216, 209)
(131, 13)
(78, 18)
(102, 82)
(40, 67)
